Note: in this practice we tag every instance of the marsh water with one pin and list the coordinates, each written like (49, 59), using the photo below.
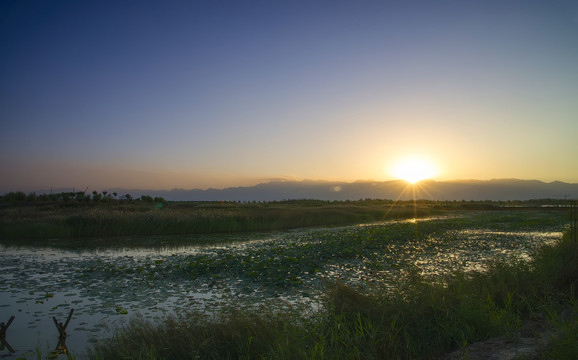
(110, 281)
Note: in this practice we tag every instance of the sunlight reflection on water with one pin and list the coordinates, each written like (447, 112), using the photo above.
(490, 244)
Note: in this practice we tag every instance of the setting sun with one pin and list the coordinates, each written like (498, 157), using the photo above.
(413, 169)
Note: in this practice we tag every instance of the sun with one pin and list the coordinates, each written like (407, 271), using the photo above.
(413, 169)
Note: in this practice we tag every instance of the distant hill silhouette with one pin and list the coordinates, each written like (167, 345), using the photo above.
(498, 189)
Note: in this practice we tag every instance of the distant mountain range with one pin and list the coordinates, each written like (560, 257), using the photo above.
(499, 189)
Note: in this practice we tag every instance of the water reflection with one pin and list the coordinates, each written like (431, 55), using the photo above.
(136, 246)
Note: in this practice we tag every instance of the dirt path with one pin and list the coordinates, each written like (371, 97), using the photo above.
(534, 336)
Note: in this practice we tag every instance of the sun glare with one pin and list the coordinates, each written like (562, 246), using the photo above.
(413, 170)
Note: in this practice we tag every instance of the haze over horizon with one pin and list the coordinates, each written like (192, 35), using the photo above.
(163, 95)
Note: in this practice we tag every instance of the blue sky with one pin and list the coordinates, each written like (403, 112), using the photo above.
(187, 94)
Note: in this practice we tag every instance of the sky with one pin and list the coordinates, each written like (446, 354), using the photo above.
(211, 94)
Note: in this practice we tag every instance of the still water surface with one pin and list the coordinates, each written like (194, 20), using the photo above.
(109, 281)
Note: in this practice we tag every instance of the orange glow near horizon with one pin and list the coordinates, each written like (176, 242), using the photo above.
(414, 169)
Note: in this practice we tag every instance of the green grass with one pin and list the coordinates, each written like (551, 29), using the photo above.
(418, 318)
(121, 219)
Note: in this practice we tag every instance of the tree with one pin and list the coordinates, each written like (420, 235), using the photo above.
(31, 197)
(96, 197)
(15, 198)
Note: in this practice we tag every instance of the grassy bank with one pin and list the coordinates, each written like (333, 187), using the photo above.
(130, 218)
(419, 319)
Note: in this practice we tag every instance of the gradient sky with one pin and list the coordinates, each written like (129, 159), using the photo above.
(198, 94)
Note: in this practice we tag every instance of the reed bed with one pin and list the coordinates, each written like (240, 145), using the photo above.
(37, 222)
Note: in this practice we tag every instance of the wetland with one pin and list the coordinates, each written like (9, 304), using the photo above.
(110, 281)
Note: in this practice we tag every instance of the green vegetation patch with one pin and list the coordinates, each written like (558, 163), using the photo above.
(73, 219)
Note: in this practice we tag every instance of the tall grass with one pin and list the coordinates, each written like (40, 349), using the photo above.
(418, 318)
(148, 219)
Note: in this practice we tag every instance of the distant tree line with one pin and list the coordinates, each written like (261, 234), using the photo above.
(105, 197)
(434, 204)
(78, 197)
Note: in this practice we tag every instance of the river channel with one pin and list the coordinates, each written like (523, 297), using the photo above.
(110, 281)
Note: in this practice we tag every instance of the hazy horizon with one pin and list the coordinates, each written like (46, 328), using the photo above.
(89, 189)
(197, 95)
